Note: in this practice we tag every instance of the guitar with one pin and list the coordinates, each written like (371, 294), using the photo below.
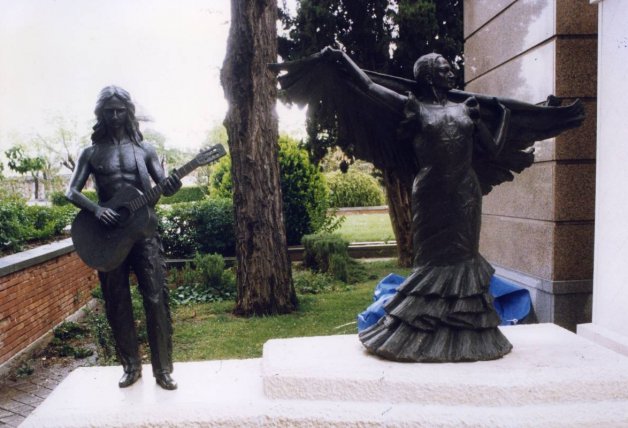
(105, 247)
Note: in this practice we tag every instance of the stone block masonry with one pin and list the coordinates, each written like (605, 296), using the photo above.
(39, 289)
(538, 230)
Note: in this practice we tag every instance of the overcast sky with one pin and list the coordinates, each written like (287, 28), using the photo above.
(56, 55)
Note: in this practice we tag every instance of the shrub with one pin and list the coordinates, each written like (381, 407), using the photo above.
(103, 336)
(319, 248)
(304, 192)
(13, 224)
(354, 189)
(47, 222)
(207, 281)
(185, 194)
(59, 199)
(303, 188)
(204, 226)
(220, 184)
(100, 330)
(328, 253)
(308, 282)
(61, 345)
(20, 223)
(68, 330)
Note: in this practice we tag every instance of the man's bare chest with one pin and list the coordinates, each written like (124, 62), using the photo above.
(110, 159)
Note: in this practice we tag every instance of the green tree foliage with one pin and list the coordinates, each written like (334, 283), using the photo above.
(303, 188)
(63, 145)
(364, 29)
(425, 26)
(22, 163)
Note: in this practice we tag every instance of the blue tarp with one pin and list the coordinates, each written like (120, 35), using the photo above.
(511, 302)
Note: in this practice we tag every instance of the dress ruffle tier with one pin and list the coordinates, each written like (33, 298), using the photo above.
(440, 314)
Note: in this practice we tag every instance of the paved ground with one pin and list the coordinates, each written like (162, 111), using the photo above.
(20, 395)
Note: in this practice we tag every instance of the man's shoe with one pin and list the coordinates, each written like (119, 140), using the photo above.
(129, 378)
(166, 381)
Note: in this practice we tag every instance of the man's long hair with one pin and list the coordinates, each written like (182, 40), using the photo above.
(132, 125)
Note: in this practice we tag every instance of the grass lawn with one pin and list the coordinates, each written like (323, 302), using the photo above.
(209, 331)
(367, 227)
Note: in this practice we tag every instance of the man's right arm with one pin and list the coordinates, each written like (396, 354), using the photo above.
(78, 180)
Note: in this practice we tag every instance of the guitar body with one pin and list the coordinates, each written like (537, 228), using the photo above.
(104, 248)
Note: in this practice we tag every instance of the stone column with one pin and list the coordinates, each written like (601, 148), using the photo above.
(610, 279)
(538, 230)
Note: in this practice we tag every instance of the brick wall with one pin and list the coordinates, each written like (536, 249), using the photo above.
(40, 294)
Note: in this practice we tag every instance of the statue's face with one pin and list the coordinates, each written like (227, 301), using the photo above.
(115, 113)
(443, 77)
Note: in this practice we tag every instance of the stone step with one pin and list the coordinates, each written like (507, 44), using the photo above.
(548, 365)
(331, 382)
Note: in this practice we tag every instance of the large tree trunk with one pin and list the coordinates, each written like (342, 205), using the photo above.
(263, 271)
(399, 194)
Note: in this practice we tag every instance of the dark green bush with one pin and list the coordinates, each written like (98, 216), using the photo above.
(328, 253)
(185, 194)
(308, 282)
(59, 199)
(68, 330)
(319, 248)
(205, 280)
(354, 189)
(197, 227)
(303, 189)
(20, 223)
(13, 224)
(47, 222)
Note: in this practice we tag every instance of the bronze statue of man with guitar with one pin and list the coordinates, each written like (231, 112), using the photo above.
(118, 234)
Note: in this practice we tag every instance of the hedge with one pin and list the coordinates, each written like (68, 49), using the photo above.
(205, 226)
(58, 199)
(354, 189)
(20, 223)
(185, 194)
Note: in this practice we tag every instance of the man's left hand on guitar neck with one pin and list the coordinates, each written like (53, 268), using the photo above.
(171, 185)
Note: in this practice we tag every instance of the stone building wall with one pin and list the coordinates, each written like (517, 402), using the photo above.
(538, 230)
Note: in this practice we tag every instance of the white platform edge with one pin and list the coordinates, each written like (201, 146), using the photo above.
(604, 337)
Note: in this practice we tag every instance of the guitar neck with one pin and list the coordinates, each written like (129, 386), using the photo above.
(151, 197)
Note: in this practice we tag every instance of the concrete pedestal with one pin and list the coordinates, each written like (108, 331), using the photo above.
(552, 378)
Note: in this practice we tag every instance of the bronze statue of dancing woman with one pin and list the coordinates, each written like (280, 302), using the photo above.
(457, 146)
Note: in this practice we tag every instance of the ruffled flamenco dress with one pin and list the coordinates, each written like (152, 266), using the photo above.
(443, 312)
